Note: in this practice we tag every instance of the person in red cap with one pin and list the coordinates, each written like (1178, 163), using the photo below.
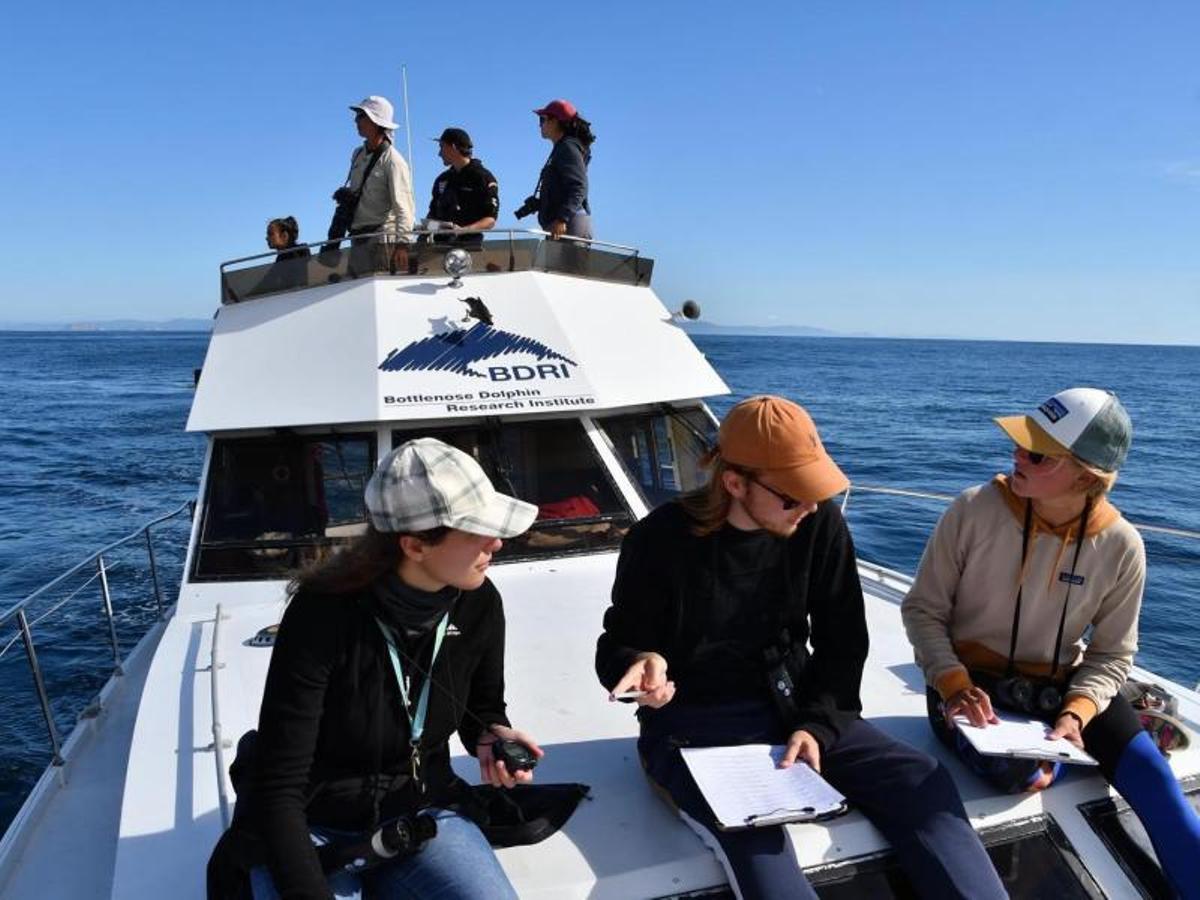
(718, 597)
(561, 197)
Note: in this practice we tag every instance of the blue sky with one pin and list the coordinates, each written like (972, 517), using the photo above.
(1016, 170)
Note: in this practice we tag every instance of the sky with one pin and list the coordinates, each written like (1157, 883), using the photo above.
(1019, 170)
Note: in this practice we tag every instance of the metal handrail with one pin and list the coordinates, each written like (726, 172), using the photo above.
(218, 744)
(18, 610)
(947, 498)
(433, 232)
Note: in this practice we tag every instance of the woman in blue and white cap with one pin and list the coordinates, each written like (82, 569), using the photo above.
(1014, 575)
(350, 734)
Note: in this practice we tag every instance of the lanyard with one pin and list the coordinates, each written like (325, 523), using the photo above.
(416, 719)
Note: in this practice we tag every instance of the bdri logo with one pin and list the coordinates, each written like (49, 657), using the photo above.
(1053, 409)
(459, 350)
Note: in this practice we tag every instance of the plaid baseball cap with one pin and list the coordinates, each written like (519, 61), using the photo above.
(425, 484)
(1087, 423)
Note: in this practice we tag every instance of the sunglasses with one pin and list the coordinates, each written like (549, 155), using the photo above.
(788, 502)
(1038, 459)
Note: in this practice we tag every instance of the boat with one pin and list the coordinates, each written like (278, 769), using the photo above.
(556, 365)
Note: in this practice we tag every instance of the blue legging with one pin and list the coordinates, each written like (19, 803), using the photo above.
(906, 794)
(1130, 762)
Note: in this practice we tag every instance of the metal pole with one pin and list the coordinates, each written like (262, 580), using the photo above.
(412, 163)
(112, 628)
(40, 686)
(154, 574)
(218, 740)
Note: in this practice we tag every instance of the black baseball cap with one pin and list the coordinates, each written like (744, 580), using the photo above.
(457, 137)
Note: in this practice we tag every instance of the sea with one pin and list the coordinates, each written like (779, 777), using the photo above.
(93, 447)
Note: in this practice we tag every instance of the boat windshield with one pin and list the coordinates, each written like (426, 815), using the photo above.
(277, 503)
(554, 465)
(662, 451)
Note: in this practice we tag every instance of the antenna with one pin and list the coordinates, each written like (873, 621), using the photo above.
(412, 166)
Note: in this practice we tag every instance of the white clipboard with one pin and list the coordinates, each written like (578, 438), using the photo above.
(745, 787)
(1021, 739)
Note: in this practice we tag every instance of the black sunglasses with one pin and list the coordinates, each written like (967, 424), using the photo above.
(788, 501)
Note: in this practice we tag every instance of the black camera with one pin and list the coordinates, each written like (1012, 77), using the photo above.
(532, 204)
(515, 756)
(1034, 696)
(396, 839)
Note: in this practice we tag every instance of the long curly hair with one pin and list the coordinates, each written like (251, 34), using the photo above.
(361, 562)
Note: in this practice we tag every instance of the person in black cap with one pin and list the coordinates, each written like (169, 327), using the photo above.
(466, 195)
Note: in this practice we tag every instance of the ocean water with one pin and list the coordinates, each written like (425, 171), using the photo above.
(91, 427)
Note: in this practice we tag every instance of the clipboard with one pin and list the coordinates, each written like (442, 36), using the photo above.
(745, 787)
(1020, 738)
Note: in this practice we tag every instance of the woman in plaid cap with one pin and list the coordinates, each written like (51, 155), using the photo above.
(1016, 573)
(350, 734)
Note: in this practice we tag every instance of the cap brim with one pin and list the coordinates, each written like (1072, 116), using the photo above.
(813, 482)
(1030, 435)
(502, 517)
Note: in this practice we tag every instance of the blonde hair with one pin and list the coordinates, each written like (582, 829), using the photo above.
(1102, 482)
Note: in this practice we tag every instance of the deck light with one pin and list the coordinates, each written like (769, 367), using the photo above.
(456, 264)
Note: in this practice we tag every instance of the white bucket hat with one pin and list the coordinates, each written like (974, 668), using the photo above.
(379, 110)
(426, 484)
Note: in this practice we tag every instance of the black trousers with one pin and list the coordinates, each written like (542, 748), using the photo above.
(906, 794)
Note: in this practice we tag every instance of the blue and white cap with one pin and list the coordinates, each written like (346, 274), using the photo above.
(1088, 423)
(426, 484)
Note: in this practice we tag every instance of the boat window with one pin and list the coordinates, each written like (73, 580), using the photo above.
(1126, 838)
(1033, 857)
(662, 451)
(275, 504)
(554, 465)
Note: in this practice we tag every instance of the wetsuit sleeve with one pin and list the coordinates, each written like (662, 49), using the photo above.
(634, 623)
(928, 607)
(305, 651)
(570, 171)
(485, 700)
(1113, 643)
(829, 694)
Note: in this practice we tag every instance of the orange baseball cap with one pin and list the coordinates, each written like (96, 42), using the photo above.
(777, 437)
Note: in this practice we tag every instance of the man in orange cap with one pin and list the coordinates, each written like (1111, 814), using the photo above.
(718, 598)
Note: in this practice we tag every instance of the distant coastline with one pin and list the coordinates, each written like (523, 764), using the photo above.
(85, 327)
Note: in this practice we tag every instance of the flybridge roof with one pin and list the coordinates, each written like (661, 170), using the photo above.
(392, 348)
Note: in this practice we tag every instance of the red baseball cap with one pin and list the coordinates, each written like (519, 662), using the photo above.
(563, 110)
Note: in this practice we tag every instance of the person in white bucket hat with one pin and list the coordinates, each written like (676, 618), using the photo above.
(350, 735)
(379, 190)
(1016, 573)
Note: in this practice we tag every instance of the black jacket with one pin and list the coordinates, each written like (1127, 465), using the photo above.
(464, 196)
(662, 601)
(332, 735)
(563, 188)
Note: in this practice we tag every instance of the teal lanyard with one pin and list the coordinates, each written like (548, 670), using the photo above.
(416, 720)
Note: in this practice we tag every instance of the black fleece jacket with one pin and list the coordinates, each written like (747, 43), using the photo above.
(710, 606)
(333, 740)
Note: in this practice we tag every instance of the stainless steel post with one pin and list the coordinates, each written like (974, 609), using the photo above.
(40, 686)
(112, 627)
(154, 574)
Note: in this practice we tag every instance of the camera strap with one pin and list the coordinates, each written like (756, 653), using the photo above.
(1010, 669)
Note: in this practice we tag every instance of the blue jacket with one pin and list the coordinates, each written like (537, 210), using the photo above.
(563, 188)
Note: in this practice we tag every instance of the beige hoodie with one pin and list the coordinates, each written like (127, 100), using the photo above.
(959, 612)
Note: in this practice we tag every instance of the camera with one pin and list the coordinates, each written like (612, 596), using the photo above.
(515, 756)
(1021, 694)
(344, 196)
(532, 204)
(398, 838)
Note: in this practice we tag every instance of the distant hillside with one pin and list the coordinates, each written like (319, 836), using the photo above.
(112, 325)
(702, 327)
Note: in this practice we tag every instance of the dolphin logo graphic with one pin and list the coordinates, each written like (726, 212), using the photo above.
(457, 350)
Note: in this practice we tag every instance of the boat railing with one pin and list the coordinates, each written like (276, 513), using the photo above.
(425, 253)
(947, 498)
(100, 565)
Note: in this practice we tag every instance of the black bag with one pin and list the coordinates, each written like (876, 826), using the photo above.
(525, 814)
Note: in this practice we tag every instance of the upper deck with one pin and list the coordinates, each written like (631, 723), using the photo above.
(535, 326)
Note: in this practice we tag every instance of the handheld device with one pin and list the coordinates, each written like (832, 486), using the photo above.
(515, 755)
